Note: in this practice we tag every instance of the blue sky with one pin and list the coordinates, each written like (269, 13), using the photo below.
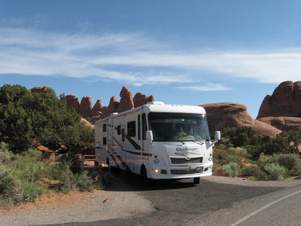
(182, 52)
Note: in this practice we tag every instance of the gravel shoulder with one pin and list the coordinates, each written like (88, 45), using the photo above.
(77, 207)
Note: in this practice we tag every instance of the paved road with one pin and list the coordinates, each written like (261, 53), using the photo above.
(210, 203)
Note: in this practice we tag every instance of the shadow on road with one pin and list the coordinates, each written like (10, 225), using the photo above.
(124, 181)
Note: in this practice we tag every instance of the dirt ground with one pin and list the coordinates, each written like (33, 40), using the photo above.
(76, 207)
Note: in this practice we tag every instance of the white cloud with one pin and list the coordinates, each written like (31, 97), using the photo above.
(32, 52)
(209, 87)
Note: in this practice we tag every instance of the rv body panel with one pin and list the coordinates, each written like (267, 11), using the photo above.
(121, 141)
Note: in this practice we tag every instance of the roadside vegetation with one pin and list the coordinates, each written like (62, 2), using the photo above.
(29, 119)
(26, 176)
(242, 153)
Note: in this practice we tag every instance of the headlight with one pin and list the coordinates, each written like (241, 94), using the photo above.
(210, 158)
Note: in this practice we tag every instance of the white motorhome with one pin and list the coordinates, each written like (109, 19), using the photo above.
(157, 141)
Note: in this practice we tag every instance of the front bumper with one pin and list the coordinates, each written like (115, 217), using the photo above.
(174, 172)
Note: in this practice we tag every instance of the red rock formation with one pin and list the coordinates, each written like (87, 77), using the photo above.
(112, 107)
(43, 89)
(283, 109)
(97, 109)
(126, 100)
(221, 115)
(72, 102)
(283, 122)
(85, 107)
(141, 99)
(285, 101)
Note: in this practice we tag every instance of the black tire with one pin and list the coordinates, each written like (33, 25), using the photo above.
(143, 173)
(196, 180)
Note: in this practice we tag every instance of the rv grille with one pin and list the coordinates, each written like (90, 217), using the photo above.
(185, 161)
(187, 171)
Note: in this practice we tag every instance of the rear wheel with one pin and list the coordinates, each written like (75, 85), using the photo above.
(110, 166)
(196, 180)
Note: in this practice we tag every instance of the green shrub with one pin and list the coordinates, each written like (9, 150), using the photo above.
(24, 177)
(286, 160)
(275, 171)
(248, 171)
(83, 182)
(62, 173)
(31, 191)
(231, 169)
(260, 174)
(28, 117)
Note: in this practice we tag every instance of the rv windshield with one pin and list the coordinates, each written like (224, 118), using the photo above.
(178, 127)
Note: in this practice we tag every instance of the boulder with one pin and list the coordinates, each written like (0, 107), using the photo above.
(72, 102)
(285, 101)
(221, 115)
(126, 100)
(85, 107)
(141, 99)
(283, 122)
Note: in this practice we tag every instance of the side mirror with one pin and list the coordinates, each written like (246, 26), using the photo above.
(149, 136)
(217, 136)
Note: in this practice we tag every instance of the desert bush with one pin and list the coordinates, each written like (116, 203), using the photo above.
(275, 171)
(231, 169)
(83, 182)
(248, 171)
(23, 176)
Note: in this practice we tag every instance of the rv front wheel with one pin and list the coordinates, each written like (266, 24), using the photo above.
(196, 180)
(143, 173)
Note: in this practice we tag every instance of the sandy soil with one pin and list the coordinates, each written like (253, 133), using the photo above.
(76, 207)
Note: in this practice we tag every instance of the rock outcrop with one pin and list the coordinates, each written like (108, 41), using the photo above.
(43, 89)
(221, 115)
(98, 111)
(72, 102)
(283, 122)
(126, 100)
(85, 107)
(285, 101)
(141, 99)
(283, 108)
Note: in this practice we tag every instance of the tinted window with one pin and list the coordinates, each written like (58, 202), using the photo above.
(131, 129)
(123, 134)
(179, 127)
(144, 128)
(139, 128)
(118, 130)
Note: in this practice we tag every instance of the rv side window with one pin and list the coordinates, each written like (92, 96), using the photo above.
(131, 129)
(144, 128)
(118, 130)
(139, 128)
(123, 134)
(104, 141)
(104, 128)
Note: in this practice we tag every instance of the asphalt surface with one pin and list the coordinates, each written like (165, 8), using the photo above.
(209, 203)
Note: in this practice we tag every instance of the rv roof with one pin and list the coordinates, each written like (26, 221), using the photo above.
(161, 107)
(153, 107)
